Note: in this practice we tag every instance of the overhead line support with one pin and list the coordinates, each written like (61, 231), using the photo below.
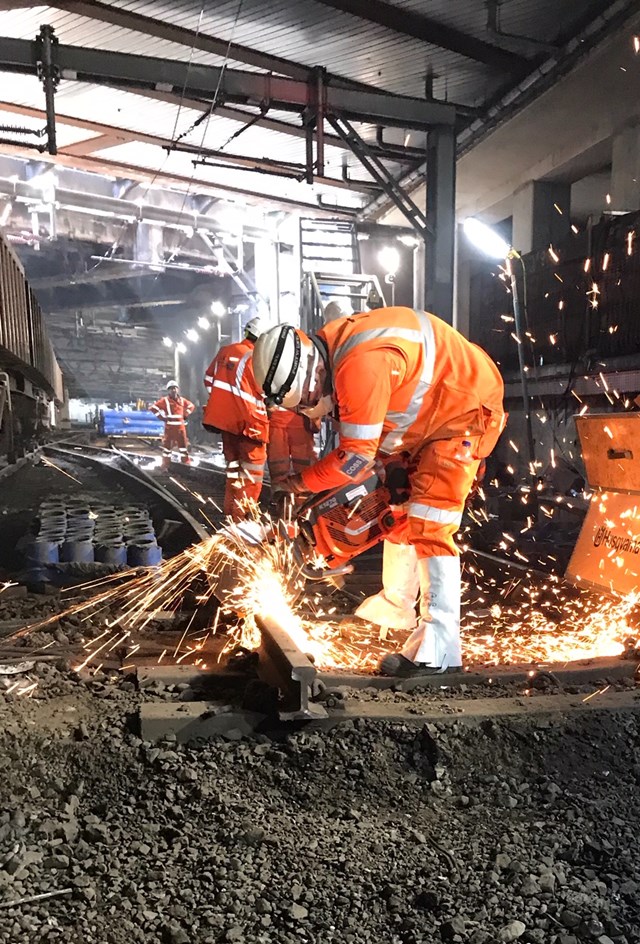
(316, 99)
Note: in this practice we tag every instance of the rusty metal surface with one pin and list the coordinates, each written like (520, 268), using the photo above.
(15, 322)
(607, 552)
(611, 450)
(23, 337)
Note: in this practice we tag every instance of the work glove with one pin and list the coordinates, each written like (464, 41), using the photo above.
(293, 485)
(289, 493)
(397, 480)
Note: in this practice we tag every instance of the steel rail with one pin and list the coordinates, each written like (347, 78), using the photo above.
(110, 461)
(285, 667)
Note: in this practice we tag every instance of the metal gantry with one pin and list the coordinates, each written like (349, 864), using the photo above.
(317, 98)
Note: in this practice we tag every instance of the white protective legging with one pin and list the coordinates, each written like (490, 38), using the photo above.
(435, 641)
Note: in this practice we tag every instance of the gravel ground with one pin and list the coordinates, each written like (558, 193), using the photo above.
(501, 830)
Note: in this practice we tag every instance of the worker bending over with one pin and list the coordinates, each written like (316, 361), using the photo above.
(290, 447)
(405, 385)
(236, 410)
(173, 410)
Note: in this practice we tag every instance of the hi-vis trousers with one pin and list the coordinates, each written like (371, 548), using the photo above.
(245, 460)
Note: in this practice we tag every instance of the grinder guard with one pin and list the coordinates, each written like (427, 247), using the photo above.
(343, 523)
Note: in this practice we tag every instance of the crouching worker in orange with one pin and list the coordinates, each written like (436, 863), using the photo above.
(290, 446)
(404, 384)
(236, 409)
(173, 410)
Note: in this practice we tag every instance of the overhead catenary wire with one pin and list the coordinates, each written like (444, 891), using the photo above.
(165, 159)
(213, 105)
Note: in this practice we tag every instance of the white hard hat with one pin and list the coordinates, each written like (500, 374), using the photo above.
(172, 383)
(281, 364)
(253, 328)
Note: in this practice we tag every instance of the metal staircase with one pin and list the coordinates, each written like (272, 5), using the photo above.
(330, 271)
(329, 246)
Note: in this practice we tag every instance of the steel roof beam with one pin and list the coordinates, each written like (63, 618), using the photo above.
(122, 210)
(125, 71)
(396, 153)
(184, 37)
(193, 39)
(424, 28)
(111, 136)
(95, 305)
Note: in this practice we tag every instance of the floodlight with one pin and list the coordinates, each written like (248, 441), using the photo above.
(486, 239)
(389, 259)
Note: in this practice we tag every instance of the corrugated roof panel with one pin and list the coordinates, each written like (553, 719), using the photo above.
(308, 32)
(538, 19)
(350, 47)
(305, 31)
(72, 29)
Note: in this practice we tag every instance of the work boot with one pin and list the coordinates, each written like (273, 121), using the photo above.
(394, 664)
(436, 640)
(394, 607)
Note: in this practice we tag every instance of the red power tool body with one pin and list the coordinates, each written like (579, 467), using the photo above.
(339, 524)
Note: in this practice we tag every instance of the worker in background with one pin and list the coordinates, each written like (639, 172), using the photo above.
(173, 410)
(236, 410)
(290, 448)
(411, 390)
(331, 312)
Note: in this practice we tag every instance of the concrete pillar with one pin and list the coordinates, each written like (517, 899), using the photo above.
(537, 223)
(266, 278)
(625, 169)
(148, 243)
(62, 415)
(418, 276)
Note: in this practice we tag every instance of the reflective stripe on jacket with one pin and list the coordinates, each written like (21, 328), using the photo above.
(235, 402)
(172, 412)
(400, 379)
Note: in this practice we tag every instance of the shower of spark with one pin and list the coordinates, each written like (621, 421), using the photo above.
(526, 634)
(253, 570)
(268, 578)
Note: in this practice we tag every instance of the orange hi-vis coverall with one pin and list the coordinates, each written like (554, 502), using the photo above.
(236, 409)
(174, 412)
(404, 382)
(290, 446)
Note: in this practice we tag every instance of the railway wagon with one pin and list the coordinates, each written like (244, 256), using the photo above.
(30, 377)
